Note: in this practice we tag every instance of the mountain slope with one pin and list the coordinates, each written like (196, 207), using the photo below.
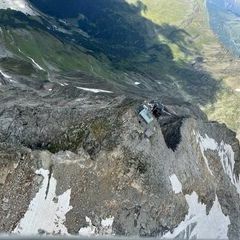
(141, 58)
(87, 169)
(167, 51)
(86, 151)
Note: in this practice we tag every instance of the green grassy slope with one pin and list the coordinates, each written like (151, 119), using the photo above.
(192, 16)
(27, 41)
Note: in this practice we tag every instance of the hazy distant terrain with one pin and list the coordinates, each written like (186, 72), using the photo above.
(225, 21)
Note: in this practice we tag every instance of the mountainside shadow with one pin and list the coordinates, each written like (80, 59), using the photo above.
(118, 30)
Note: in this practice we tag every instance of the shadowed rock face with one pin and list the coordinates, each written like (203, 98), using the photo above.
(107, 176)
(171, 129)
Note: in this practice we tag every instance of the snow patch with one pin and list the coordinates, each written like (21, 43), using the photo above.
(176, 185)
(198, 224)
(94, 90)
(137, 83)
(88, 231)
(108, 222)
(46, 212)
(18, 5)
(105, 229)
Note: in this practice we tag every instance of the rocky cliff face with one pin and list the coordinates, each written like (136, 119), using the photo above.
(90, 169)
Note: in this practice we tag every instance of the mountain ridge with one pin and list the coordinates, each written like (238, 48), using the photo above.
(99, 134)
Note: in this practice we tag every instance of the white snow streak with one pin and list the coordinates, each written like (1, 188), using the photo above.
(8, 77)
(44, 213)
(63, 84)
(211, 226)
(32, 60)
(205, 144)
(176, 185)
(94, 90)
(36, 64)
(5, 75)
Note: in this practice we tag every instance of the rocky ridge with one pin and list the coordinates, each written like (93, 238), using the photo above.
(100, 169)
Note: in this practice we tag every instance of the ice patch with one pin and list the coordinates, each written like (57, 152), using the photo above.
(94, 90)
(237, 90)
(46, 212)
(198, 224)
(176, 185)
(18, 5)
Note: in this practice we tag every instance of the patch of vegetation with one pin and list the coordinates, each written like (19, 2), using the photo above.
(137, 162)
(226, 109)
(70, 140)
(100, 128)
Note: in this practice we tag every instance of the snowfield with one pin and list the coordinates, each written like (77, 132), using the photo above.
(18, 5)
(46, 211)
(198, 224)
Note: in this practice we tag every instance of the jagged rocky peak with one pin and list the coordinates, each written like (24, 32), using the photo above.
(134, 168)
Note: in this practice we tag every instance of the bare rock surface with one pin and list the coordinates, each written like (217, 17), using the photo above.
(100, 169)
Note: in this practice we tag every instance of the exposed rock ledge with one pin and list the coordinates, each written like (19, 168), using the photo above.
(97, 170)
